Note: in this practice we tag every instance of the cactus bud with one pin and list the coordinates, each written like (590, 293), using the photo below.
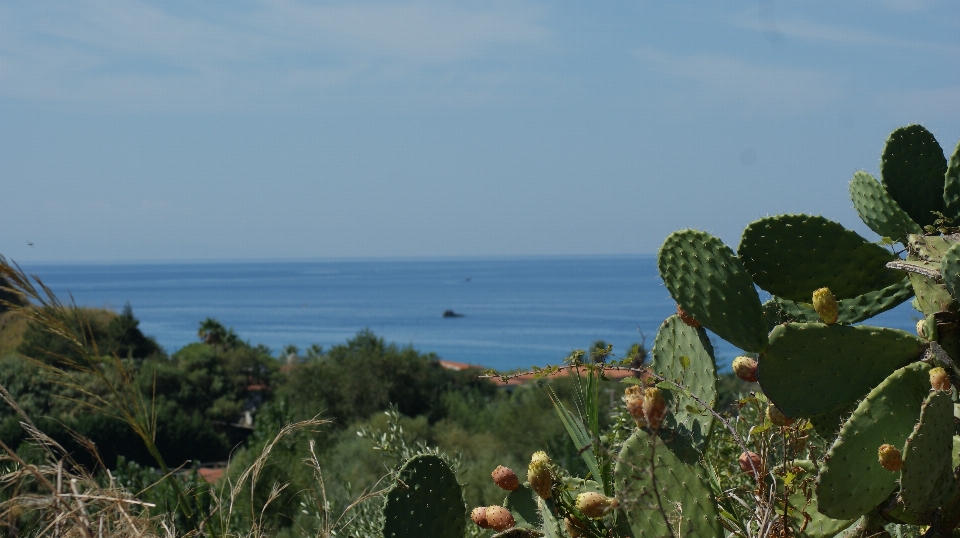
(479, 516)
(594, 505)
(538, 474)
(574, 526)
(826, 305)
(927, 328)
(654, 407)
(890, 458)
(633, 399)
(686, 318)
(750, 461)
(505, 478)
(499, 518)
(939, 379)
(777, 417)
(746, 369)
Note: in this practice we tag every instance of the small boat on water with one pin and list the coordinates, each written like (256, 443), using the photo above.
(451, 314)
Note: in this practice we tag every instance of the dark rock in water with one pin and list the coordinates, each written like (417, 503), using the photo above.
(451, 314)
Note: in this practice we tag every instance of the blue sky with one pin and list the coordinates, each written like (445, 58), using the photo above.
(137, 131)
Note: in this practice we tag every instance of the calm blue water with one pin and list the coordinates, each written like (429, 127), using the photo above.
(517, 312)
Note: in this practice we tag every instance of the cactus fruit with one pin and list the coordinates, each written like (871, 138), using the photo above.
(939, 379)
(777, 417)
(574, 526)
(687, 319)
(750, 462)
(499, 518)
(633, 399)
(479, 516)
(538, 474)
(654, 407)
(595, 505)
(746, 369)
(505, 478)
(826, 305)
(890, 458)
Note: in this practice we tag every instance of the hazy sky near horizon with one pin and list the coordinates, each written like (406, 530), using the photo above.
(167, 130)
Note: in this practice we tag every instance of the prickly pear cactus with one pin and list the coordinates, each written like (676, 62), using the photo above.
(426, 500)
(926, 479)
(708, 281)
(663, 488)
(684, 354)
(820, 253)
(838, 363)
(852, 482)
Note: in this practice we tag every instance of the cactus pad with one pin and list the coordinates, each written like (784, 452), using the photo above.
(839, 364)
(661, 486)
(523, 505)
(853, 310)
(707, 280)
(851, 480)
(698, 374)
(828, 425)
(950, 270)
(913, 167)
(926, 480)
(951, 187)
(792, 255)
(425, 501)
(878, 210)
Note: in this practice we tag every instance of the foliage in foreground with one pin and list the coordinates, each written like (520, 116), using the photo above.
(853, 432)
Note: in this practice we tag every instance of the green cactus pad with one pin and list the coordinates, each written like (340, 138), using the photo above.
(853, 310)
(851, 481)
(926, 480)
(951, 187)
(698, 374)
(828, 425)
(950, 270)
(679, 493)
(426, 500)
(931, 297)
(706, 279)
(522, 503)
(818, 525)
(912, 168)
(928, 247)
(878, 210)
(837, 363)
(791, 256)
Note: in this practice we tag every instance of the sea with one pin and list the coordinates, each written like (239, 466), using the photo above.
(516, 312)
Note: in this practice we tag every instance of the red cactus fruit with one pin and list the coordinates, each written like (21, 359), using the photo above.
(890, 458)
(479, 516)
(750, 461)
(687, 319)
(746, 369)
(505, 478)
(939, 379)
(499, 518)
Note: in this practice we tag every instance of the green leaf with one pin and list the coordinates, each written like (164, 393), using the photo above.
(666, 385)
(579, 435)
(684, 361)
(761, 428)
(632, 380)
